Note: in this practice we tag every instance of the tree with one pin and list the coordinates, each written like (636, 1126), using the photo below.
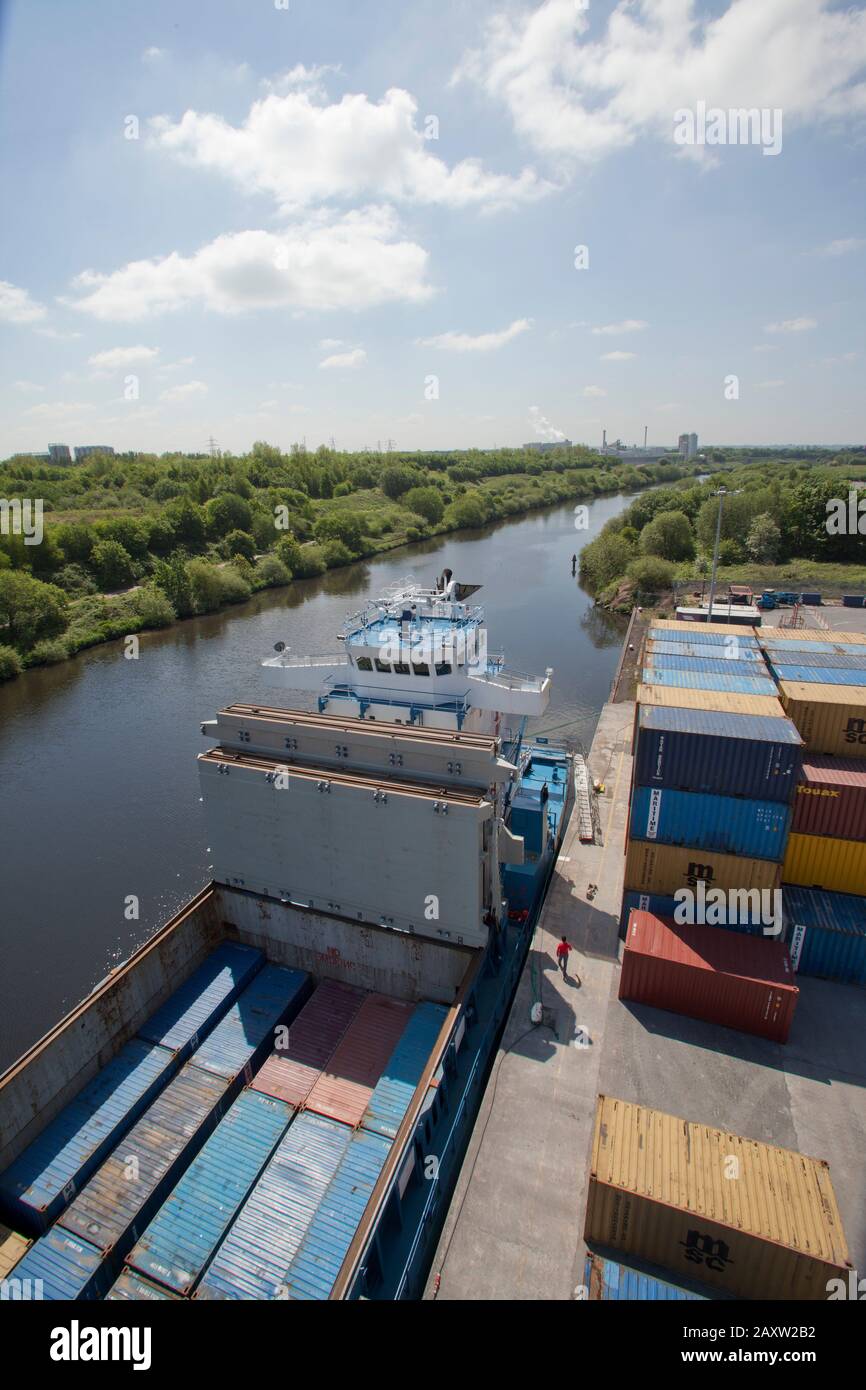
(187, 521)
(651, 574)
(669, 536)
(763, 540)
(239, 543)
(171, 576)
(604, 559)
(468, 510)
(112, 564)
(225, 513)
(395, 481)
(29, 609)
(341, 526)
(426, 501)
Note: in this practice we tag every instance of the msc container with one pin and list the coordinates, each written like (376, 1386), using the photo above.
(113, 1209)
(46, 1176)
(669, 698)
(12, 1247)
(698, 680)
(821, 675)
(291, 1073)
(744, 918)
(718, 976)
(252, 1260)
(60, 1266)
(198, 1005)
(395, 1088)
(711, 751)
(246, 1034)
(343, 1091)
(816, 861)
(831, 718)
(720, 665)
(687, 631)
(734, 825)
(660, 1188)
(193, 1220)
(652, 868)
(131, 1287)
(831, 798)
(827, 934)
(608, 1282)
(745, 651)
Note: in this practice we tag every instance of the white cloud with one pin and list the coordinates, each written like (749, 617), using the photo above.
(356, 358)
(301, 150)
(594, 391)
(186, 392)
(122, 357)
(842, 246)
(60, 335)
(626, 326)
(16, 306)
(175, 366)
(59, 410)
(328, 344)
(354, 262)
(153, 55)
(617, 356)
(576, 97)
(791, 326)
(482, 342)
(28, 387)
(543, 428)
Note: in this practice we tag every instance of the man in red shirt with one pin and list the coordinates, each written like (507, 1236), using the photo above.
(562, 951)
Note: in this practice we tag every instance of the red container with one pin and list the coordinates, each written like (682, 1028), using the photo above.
(345, 1086)
(831, 798)
(313, 1038)
(719, 976)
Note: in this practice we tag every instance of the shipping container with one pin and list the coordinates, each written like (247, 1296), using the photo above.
(793, 647)
(831, 798)
(684, 638)
(734, 825)
(246, 1034)
(395, 1088)
(608, 1282)
(851, 659)
(827, 934)
(291, 1073)
(723, 754)
(817, 861)
(852, 600)
(696, 680)
(44, 1178)
(131, 1287)
(718, 976)
(669, 698)
(746, 917)
(344, 1089)
(12, 1247)
(652, 868)
(745, 651)
(821, 675)
(61, 1266)
(831, 718)
(798, 635)
(252, 1261)
(183, 1235)
(197, 1006)
(719, 665)
(674, 625)
(659, 1189)
(812, 598)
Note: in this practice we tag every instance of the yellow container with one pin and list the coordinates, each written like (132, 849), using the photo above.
(12, 1247)
(748, 1218)
(655, 868)
(771, 635)
(727, 629)
(830, 718)
(729, 702)
(816, 861)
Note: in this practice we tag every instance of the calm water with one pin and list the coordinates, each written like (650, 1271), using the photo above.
(97, 756)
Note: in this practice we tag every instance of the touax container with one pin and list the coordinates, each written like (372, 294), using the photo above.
(831, 798)
(657, 1189)
(827, 934)
(711, 751)
(734, 825)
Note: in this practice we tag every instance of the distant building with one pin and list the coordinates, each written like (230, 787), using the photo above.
(60, 453)
(687, 445)
(693, 445)
(542, 445)
(83, 451)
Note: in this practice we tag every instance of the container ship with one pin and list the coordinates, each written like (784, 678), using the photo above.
(271, 1098)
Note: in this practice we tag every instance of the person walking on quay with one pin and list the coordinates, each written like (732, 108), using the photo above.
(562, 951)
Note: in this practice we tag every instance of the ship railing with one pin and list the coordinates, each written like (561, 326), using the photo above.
(313, 659)
(511, 680)
(334, 686)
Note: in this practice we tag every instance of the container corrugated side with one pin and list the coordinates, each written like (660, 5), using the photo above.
(653, 868)
(197, 1006)
(687, 629)
(718, 976)
(723, 754)
(252, 1261)
(831, 718)
(314, 1269)
(831, 798)
(657, 1190)
(704, 680)
(820, 675)
(192, 1221)
(657, 648)
(113, 1209)
(817, 861)
(797, 635)
(723, 665)
(782, 657)
(790, 650)
(608, 1282)
(130, 1287)
(748, 919)
(734, 825)
(344, 1089)
(12, 1247)
(393, 1092)
(669, 698)
(827, 934)
(44, 1178)
(63, 1267)
(291, 1074)
(247, 1032)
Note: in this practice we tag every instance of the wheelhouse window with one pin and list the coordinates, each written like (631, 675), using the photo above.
(383, 666)
(364, 663)
(401, 668)
(443, 668)
(420, 668)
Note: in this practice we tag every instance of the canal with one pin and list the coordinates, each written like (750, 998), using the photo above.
(97, 756)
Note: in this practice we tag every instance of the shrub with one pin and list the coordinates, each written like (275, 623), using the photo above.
(288, 552)
(311, 562)
(211, 587)
(413, 534)
(395, 481)
(225, 513)
(467, 510)
(153, 606)
(172, 578)
(669, 536)
(29, 609)
(48, 653)
(335, 554)
(341, 526)
(651, 574)
(271, 573)
(239, 543)
(112, 564)
(427, 502)
(604, 559)
(10, 663)
(74, 579)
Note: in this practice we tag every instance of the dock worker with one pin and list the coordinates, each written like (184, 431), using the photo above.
(562, 951)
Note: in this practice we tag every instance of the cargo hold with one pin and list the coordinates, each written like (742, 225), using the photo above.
(291, 1073)
(344, 1089)
(68, 1268)
(195, 1008)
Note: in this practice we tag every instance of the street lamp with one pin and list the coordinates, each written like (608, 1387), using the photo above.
(721, 494)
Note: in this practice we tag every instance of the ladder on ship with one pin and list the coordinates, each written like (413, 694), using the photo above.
(583, 800)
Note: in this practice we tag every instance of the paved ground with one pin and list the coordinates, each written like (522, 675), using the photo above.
(514, 1230)
(833, 616)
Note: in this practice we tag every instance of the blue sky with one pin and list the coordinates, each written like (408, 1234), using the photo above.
(283, 252)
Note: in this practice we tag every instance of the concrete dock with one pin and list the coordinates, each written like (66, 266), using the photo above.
(514, 1229)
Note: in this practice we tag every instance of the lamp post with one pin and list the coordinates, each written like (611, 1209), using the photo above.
(721, 494)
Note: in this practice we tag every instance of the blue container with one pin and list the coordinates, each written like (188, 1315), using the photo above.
(393, 1092)
(252, 1261)
(745, 652)
(802, 644)
(689, 632)
(852, 600)
(67, 1268)
(666, 907)
(198, 1005)
(831, 661)
(826, 933)
(44, 1179)
(696, 680)
(821, 675)
(245, 1035)
(130, 1287)
(314, 1269)
(725, 665)
(812, 599)
(193, 1220)
(732, 825)
(726, 754)
(608, 1282)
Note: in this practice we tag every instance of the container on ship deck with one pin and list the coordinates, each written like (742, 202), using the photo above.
(791, 650)
(831, 798)
(657, 1191)
(748, 918)
(733, 825)
(703, 972)
(746, 651)
(393, 1092)
(666, 697)
(685, 637)
(608, 1282)
(66, 1267)
(12, 1248)
(705, 680)
(291, 1073)
(246, 1034)
(815, 635)
(851, 659)
(344, 1089)
(827, 934)
(831, 718)
(821, 675)
(653, 868)
(817, 861)
(196, 1006)
(711, 751)
(130, 1287)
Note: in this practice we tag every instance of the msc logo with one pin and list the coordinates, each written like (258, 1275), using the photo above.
(855, 731)
(703, 873)
(703, 1250)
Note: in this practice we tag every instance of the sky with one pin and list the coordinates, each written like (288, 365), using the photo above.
(447, 224)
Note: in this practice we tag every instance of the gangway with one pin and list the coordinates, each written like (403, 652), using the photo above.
(583, 800)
